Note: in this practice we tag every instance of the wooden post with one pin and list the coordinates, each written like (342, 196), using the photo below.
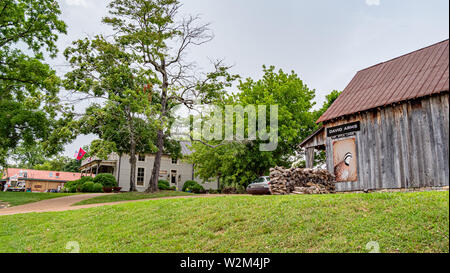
(309, 158)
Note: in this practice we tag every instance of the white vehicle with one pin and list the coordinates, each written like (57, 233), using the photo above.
(260, 186)
(15, 185)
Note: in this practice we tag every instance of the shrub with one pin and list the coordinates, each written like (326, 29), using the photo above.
(97, 187)
(163, 185)
(71, 189)
(197, 189)
(74, 186)
(87, 187)
(229, 190)
(189, 184)
(173, 188)
(106, 179)
(240, 189)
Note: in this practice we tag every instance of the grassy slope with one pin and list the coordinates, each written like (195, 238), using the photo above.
(399, 222)
(130, 196)
(21, 198)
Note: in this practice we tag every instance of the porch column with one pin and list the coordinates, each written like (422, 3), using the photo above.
(309, 158)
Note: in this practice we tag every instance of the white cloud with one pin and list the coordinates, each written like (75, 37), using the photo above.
(82, 3)
(373, 2)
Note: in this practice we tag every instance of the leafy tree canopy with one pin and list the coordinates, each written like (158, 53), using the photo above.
(29, 103)
(240, 163)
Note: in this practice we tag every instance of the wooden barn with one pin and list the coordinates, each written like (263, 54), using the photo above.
(389, 129)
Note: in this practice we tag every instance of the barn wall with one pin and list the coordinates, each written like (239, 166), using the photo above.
(401, 146)
(317, 140)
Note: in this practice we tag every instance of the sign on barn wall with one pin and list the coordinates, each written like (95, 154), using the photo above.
(344, 158)
(344, 130)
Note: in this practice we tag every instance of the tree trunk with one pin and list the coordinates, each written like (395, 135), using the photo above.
(153, 184)
(133, 166)
(132, 154)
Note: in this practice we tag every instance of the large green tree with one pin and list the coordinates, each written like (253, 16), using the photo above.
(34, 157)
(103, 69)
(59, 163)
(241, 162)
(27, 156)
(155, 31)
(29, 88)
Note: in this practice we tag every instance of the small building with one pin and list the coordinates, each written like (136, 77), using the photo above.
(39, 181)
(389, 129)
(175, 171)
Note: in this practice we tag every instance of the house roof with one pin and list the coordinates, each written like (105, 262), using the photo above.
(417, 74)
(42, 175)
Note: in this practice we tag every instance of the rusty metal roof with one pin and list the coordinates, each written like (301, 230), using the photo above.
(414, 75)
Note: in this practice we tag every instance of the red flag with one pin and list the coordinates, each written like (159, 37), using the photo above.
(81, 154)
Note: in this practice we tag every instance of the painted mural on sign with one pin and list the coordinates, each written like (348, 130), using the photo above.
(345, 163)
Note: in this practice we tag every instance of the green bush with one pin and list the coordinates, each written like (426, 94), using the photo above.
(163, 185)
(76, 186)
(173, 188)
(98, 187)
(236, 189)
(240, 189)
(106, 179)
(197, 188)
(87, 187)
(72, 189)
(229, 190)
(193, 186)
(189, 184)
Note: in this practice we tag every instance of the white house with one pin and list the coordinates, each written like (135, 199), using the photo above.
(177, 172)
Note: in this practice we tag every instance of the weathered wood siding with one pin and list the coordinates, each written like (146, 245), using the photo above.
(401, 146)
(318, 139)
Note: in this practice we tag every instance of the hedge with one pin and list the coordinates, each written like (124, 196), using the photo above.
(106, 179)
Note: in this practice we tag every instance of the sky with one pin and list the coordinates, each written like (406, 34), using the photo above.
(324, 41)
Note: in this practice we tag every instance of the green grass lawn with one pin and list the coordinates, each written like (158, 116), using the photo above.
(131, 196)
(21, 198)
(399, 222)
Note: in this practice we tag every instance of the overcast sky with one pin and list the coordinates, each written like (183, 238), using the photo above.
(324, 41)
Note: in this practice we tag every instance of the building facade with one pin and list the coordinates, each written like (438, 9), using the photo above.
(38, 181)
(176, 172)
(389, 129)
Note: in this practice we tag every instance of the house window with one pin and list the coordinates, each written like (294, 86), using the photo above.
(140, 177)
(174, 161)
(141, 158)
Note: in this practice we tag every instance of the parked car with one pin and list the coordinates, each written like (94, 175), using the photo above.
(15, 186)
(260, 186)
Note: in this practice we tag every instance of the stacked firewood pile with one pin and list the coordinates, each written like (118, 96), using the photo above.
(301, 181)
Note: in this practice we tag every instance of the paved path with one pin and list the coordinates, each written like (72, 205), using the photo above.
(55, 204)
(65, 203)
